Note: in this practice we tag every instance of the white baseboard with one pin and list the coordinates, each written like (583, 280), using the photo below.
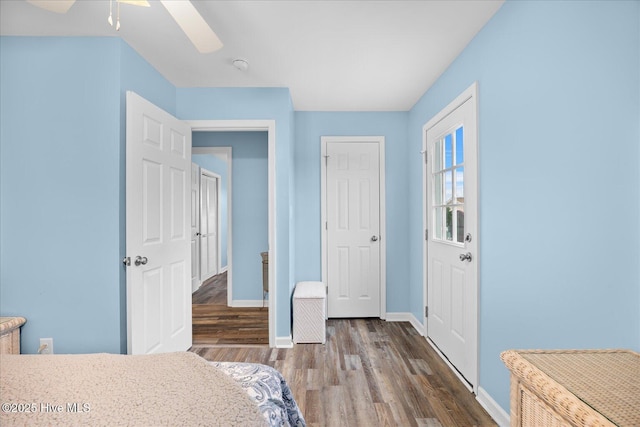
(406, 317)
(284, 342)
(224, 269)
(498, 414)
(249, 303)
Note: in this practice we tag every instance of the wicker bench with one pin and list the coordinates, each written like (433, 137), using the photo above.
(574, 387)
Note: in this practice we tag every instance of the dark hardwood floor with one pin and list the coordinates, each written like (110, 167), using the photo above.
(369, 373)
(215, 324)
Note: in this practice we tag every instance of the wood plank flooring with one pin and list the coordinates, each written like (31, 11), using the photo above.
(369, 373)
(214, 323)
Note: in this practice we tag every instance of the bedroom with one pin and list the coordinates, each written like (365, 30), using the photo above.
(561, 73)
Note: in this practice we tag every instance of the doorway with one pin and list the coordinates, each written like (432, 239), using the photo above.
(235, 298)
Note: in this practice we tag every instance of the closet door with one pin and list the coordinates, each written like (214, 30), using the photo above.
(195, 227)
(208, 224)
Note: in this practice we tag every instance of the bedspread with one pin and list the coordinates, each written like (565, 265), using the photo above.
(266, 386)
(115, 390)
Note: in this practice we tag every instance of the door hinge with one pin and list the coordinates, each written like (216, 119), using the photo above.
(426, 234)
(326, 225)
(426, 311)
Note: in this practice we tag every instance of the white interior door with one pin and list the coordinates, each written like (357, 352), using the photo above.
(158, 164)
(353, 228)
(195, 227)
(209, 224)
(451, 208)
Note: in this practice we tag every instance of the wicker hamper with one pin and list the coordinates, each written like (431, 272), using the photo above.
(585, 388)
(309, 302)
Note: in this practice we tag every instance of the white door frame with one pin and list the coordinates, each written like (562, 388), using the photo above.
(323, 216)
(268, 126)
(470, 93)
(218, 178)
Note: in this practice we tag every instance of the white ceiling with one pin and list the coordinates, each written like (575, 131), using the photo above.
(332, 55)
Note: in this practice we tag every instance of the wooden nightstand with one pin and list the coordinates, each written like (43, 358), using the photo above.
(10, 334)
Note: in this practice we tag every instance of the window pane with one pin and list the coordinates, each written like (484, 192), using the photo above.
(449, 224)
(437, 223)
(459, 146)
(448, 187)
(437, 189)
(460, 224)
(437, 156)
(448, 150)
(459, 184)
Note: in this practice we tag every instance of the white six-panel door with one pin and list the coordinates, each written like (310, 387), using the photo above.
(452, 244)
(209, 224)
(158, 229)
(195, 227)
(353, 228)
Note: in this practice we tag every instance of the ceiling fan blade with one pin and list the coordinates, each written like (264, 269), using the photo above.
(58, 6)
(143, 3)
(193, 25)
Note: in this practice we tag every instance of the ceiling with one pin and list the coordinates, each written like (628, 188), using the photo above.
(333, 55)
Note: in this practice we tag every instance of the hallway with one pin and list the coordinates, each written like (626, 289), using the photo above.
(216, 324)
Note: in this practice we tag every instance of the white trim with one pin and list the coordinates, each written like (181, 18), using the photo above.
(499, 415)
(406, 317)
(470, 93)
(226, 154)
(247, 303)
(284, 342)
(380, 140)
(225, 268)
(270, 127)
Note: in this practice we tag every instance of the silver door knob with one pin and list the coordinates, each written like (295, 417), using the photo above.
(140, 260)
(374, 238)
(465, 257)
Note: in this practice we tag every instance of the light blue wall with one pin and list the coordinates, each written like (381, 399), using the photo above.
(559, 178)
(250, 209)
(62, 186)
(258, 104)
(310, 127)
(218, 166)
(59, 179)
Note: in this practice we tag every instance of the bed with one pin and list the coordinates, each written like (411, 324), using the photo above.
(163, 389)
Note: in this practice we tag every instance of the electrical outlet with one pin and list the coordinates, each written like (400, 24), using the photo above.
(46, 346)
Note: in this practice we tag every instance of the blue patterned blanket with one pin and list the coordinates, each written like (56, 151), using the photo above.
(266, 386)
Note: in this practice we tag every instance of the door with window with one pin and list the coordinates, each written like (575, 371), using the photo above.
(452, 241)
